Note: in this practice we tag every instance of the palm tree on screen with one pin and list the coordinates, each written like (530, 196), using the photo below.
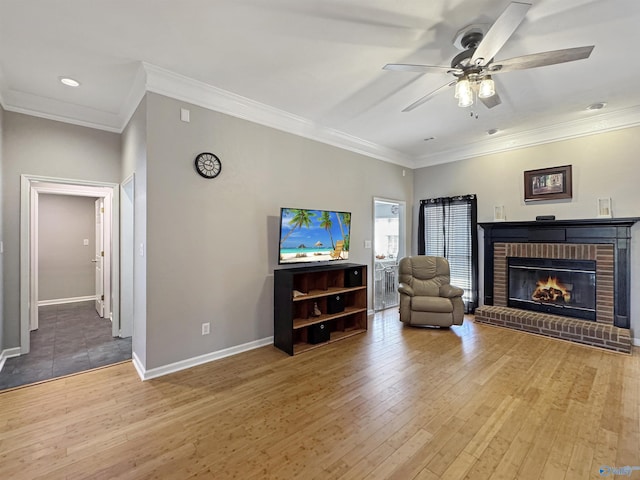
(301, 218)
(326, 223)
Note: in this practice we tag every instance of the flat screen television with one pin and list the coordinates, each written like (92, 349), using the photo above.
(313, 235)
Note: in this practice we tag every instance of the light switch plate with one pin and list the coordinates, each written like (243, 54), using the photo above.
(184, 115)
(85, 242)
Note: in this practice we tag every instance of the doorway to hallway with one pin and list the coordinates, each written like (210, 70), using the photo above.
(31, 188)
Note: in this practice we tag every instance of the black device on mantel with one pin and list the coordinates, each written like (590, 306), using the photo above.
(542, 218)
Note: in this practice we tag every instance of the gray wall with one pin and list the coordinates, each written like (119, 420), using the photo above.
(38, 146)
(134, 160)
(603, 165)
(212, 244)
(65, 269)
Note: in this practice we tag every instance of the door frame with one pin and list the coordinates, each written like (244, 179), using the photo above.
(402, 235)
(104, 278)
(30, 187)
(127, 255)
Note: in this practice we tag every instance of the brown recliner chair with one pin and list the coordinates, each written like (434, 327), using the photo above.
(426, 297)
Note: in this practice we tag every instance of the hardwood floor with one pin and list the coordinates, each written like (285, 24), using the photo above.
(474, 402)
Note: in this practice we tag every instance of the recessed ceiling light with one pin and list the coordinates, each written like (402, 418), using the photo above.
(69, 82)
(597, 106)
(492, 131)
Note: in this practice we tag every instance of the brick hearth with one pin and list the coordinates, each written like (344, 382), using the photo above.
(581, 331)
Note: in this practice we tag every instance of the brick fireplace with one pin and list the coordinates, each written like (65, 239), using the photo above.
(604, 242)
(602, 254)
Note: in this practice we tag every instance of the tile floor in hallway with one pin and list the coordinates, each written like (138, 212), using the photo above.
(71, 338)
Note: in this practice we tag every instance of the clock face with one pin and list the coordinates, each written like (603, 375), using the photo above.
(208, 165)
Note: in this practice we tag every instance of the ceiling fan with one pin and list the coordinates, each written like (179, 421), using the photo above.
(474, 66)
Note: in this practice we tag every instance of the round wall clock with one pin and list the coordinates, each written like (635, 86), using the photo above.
(208, 165)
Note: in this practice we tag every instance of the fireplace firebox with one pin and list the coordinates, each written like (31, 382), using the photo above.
(556, 286)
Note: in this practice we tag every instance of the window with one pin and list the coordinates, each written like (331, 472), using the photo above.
(448, 228)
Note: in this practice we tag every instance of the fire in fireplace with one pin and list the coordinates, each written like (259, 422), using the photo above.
(551, 290)
(556, 286)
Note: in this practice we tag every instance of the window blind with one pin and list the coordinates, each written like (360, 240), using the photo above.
(448, 228)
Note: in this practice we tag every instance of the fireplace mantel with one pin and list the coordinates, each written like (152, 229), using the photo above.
(614, 231)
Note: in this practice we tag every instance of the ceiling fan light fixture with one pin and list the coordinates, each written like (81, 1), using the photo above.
(487, 87)
(462, 86)
(464, 93)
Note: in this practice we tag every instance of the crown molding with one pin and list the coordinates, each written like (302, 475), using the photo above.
(151, 78)
(591, 125)
(180, 87)
(51, 109)
(37, 106)
(158, 80)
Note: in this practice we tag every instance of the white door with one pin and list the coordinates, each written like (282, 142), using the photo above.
(99, 258)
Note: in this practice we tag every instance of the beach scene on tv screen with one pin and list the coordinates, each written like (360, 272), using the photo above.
(314, 235)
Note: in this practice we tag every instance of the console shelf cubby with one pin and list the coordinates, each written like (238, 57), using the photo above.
(339, 292)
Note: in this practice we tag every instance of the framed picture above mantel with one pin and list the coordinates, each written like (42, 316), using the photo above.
(552, 183)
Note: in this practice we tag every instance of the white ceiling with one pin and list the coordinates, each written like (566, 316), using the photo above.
(314, 67)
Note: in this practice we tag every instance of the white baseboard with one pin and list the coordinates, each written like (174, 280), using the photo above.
(636, 342)
(8, 353)
(61, 301)
(137, 364)
(195, 361)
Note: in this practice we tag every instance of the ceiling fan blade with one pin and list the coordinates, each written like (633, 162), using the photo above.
(406, 67)
(541, 59)
(429, 96)
(492, 101)
(500, 32)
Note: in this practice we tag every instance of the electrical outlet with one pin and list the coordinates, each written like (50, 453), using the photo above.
(206, 328)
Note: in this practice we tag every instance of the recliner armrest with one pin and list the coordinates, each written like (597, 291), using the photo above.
(406, 289)
(449, 291)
